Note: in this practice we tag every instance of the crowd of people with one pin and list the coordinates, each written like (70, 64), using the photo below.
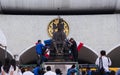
(103, 62)
(43, 51)
(10, 68)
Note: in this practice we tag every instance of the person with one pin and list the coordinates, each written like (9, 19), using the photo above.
(49, 72)
(39, 51)
(112, 72)
(38, 70)
(0, 67)
(17, 71)
(117, 72)
(73, 48)
(72, 70)
(29, 71)
(103, 62)
(7, 69)
(88, 71)
(58, 71)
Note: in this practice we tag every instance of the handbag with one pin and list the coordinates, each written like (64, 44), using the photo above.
(101, 69)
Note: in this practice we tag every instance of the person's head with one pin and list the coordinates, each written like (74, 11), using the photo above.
(41, 71)
(29, 68)
(103, 53)
(58, 71)
(73, 66)
(88, 68)
(39, 41)
(71, 39)
(48, 68)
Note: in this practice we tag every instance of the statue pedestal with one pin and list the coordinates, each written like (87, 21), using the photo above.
(59, 57)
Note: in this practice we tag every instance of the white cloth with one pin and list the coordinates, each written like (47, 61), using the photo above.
(47, 51)
(17, 71)
(28, 73)
(106, 62)
(50, 73)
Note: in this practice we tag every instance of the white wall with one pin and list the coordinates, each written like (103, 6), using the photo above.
(95, 31)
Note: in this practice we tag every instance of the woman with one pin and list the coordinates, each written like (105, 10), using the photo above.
(7, 69)
(17, 71)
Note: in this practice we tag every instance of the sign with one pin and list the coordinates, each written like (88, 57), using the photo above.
(52, 27)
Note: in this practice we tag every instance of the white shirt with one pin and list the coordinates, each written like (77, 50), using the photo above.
(106, 62)
(17, 71)
(28, 73)
(50, 73)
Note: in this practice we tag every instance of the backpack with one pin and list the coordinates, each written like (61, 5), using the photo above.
(101, 70)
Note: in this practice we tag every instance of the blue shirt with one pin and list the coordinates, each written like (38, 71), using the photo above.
(89, 72)
(39, 48)
(118, 72)
(71, 70)
(36, 70)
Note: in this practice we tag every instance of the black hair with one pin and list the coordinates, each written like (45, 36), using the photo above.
(103, 52)
(58, 71)
(48, 68)
(73, 66)
(71, 39)
(13, 63)
(39, 41)
(6, 65)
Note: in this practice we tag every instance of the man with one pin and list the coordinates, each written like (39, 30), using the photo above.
(29, 71)
(117, 72)
(74, 50)
(39, 51)
(103, 62)
(49, 72)
(88, 71)
(72, 70)
(38, 70)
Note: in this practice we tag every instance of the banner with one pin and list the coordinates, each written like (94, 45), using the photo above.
(80, 46)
